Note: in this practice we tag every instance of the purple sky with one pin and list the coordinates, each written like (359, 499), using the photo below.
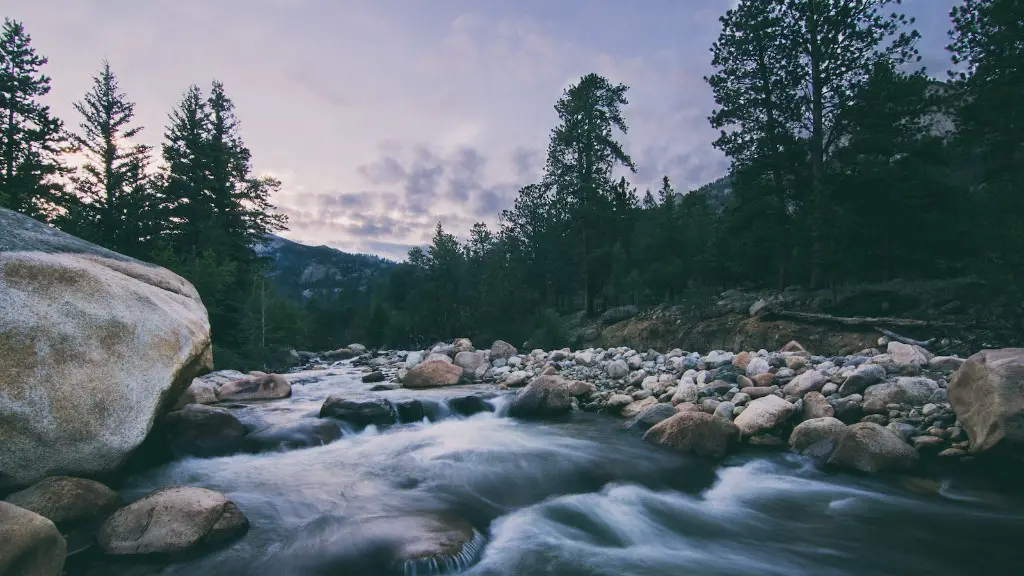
(382, 117)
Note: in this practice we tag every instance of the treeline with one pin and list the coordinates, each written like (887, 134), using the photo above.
(848, 163)
(197, 208)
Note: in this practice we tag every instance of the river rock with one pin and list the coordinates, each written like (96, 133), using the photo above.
(472, 363)
(816, 406)
(763, 415)
(617, 402)
(543, 397)
(696, 432)
(339, 354)
(305, 433)
(198, 392)
(793, 347)
(440, 357)
(502, 349)
(67, 501)
(462, 345)
(725, 410)
(580, 388)
(871, 448)
(757, 367)
(413, 359)
(650, 416)
(93, 346)
(685, 392)
(906, 354)
(266, 387)
(759, 391)
(202, 431)
(617, 369)
(433, 374)
(373, 377)
(358, 349)
(848, 409)
(30, 545)
(987, 394)
(810, 381)
(359, 413)
(172, 520)
(865, 375)
(945, 363)
(638, 406)
(517, 378)
(469, 405)
(810, 432)
(910, 390)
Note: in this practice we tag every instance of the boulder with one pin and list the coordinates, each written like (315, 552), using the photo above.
(432, 374)
(617, 402)
(910, 390)
(413, 359)
(471, 362)
(30, 545)
(617, 369)
(306, 433)
(440, 357)
(987, 394)
(638, 406)
(198, 392)
(357, 349)
(793, 347)
(757, 367)
(502, 349)
(469, 405)
(267, 387)
(172, 520)
(339, 354)
(93, 346)
(763, 415)
(359, 413)
(580, 388)
(865, 375)
(810, 381)
(544, 397)
(946, 363)
(202, 431)
(696, 432)
(901, 353)
(517, 378)
(650, 416)
(462, 345)
(814, 430)
(373, 377)
(816, 406)
(871, 448)
(685, 392)
(67, 501)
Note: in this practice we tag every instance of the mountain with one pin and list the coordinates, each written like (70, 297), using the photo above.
(302, 271)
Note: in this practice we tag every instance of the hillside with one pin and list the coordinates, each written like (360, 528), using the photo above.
(301, 271)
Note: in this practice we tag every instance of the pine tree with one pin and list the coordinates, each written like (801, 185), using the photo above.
(185, 181)
(581, 156)
(113, 182)
(31, 139)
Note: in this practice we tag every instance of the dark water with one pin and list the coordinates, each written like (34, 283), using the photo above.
(573, 498)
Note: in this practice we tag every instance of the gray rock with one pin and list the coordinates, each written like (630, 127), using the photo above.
(372, 377)
(650, 416)
(987, 394)
(433, 374)
(503, 350)
(725, 410)
(810, 381)
(865, 375)
(638, 406)
(685, 392)
(871, 448)
(66, 501)
(617, 369)
(30, 545)
(763, 415)
(261, 387)
(812, 431)
(945, 363)
(816, 406)
(413, 359)
(544, 397)
(695, 432)
(904, 390)
(202, 431)
(907, 354)
(617, 402)
(359, 413)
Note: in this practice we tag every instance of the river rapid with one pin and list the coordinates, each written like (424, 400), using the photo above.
(577, 497)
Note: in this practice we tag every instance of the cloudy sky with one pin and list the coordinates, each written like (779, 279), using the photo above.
(383, 117)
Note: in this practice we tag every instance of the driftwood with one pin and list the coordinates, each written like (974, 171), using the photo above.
(910, 341)
(856, 320)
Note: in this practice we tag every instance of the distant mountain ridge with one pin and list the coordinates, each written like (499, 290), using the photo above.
(301, 271)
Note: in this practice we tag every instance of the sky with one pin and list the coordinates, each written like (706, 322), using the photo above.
(383, 117)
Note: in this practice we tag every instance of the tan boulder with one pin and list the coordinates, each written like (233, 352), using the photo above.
(696, 432)
(265, 387)
(545, 396)
(66, 501)
(871, 448)
(30, 545)
(433, 374)
(763, 415)
(638, 406)
(987, 394)
(814, 430)
(93, 346)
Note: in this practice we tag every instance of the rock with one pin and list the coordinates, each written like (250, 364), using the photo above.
(810, 381)
(585, 358)
(580, 388)
(433, 374)
(269, 387)
(202, 431)
(794, 347)
(30, 545)
(816, 406)
(812, 431)
(202, 391)
(696, 432)
(848, 409)
(375, 376)
(795, 362)
(306, 433)
(757, 367)
(502, 349)
(413, 359)
(172, 520)
(544, 397)
(358, 349)
(462, 345)
(871, 448)
(617, 369)
(93, 346)
(724, 410)
(759, 391)
(517, 378)
(904, 390)
(987, 394)
(339, 354)
(438, 356)
(360, 413)
(740, 398)
(66, 501)
(757, 307)
(469, 405)
(617, 402)
(907, 354)
(865, 375)
(685, 392)
(763, 415)
(470, 362)
(945, 363)
(410, 411)
(650, 416)
(613, 315)
(928, 444)
(638, 406)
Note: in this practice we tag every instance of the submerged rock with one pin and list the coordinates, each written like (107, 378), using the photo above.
(360, 413)
(469, 405)
(203, 431)
(172, 520)
(433, 374)
(302, 434)
(30, 545)
(696, 432)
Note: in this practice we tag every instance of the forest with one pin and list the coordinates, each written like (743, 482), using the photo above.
(849, 163)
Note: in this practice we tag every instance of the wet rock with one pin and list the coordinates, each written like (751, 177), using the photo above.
(695, 432)
(267, 387)
(865, 375)
(763, 415)
(928, 444)
(816, 406)
(375, 376)
(433, 374)
(814, 430)
(650, 416)
(544, 397)
(987, 394)
(904, 390)
(810, 381)
(359, 413)
(385, 386)
(871, 448)
(202, 431)
(410, 411)
(302, 434)
(172, 520)
(502, 349)
(30, 545)
(638, 406)
(469, 405)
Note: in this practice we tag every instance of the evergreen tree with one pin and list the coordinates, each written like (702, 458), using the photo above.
(185, 184)
(31, 139)
(112, 183)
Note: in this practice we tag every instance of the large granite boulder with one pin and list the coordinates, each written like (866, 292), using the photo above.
(545, 396)
(172, 520)
(93, 346)
(696, 432)
(30, 545)
(987, 394)
(433, 374)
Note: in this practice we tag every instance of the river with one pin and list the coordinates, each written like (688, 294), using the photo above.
(579, 497)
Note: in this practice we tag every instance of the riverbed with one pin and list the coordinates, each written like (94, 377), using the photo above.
(576, 497)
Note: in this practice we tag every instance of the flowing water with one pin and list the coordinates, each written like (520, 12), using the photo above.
(579, 497)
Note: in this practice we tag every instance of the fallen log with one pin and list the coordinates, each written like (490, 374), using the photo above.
(856, 320)
(903, 339)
